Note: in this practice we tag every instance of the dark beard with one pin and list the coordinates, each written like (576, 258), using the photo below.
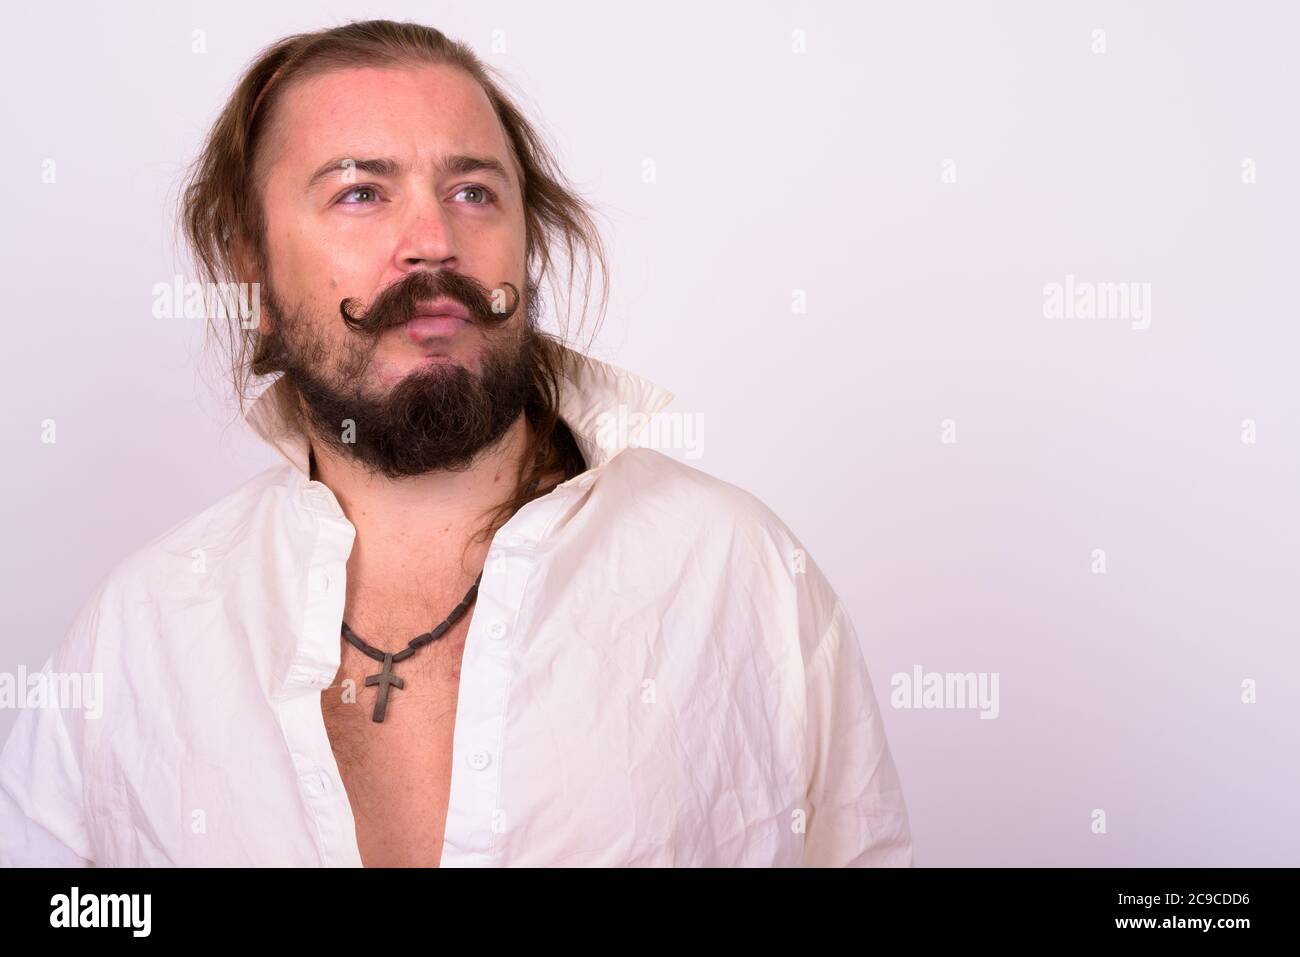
(436, 418)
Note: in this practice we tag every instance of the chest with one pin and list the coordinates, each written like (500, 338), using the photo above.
(397, 772)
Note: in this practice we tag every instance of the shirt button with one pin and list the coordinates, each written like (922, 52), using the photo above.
(479, 759)
(497, 630)
(320, 581)
(316, 783)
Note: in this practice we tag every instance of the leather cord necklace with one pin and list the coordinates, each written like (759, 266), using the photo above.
(386, 679)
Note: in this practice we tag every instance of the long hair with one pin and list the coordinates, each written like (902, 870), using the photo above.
(221, 210)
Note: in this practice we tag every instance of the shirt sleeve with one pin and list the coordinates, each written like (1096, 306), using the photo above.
(856, 814)
(42, 807)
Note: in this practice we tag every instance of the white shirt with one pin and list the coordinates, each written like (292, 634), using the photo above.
(655, 673)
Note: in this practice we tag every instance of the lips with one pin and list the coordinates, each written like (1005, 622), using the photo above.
(421, 328)
(442, 307)
(439, 319)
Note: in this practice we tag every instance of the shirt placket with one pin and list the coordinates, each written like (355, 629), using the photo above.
(475, 816)
(314, 666)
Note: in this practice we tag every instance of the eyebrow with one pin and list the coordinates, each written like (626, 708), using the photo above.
(458, 164)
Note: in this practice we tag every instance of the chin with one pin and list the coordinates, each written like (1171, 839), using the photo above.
(388, 374)
(436, 362)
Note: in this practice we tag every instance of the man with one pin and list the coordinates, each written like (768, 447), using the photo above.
(463, 623)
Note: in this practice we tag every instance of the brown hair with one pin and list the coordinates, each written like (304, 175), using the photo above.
(221, 209)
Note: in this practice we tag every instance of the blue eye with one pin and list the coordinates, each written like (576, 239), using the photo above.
(358, 189)
(488, 196)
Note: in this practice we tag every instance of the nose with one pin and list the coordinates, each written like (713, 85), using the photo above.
(427, 240)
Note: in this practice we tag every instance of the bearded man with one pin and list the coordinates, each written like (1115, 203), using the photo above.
(463, 622)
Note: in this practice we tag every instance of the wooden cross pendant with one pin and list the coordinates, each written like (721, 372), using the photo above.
(385, 679)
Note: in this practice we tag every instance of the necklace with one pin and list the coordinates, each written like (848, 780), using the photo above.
(386, 680)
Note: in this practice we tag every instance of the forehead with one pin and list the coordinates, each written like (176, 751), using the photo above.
(414, 112)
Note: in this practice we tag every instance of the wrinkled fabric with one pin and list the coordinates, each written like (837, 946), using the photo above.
(655, 674)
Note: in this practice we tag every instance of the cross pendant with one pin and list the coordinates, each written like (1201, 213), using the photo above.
(385, 679)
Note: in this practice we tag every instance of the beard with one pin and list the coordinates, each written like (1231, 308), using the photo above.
(439, 416)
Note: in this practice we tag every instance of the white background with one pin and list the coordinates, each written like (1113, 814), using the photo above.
(820, 171)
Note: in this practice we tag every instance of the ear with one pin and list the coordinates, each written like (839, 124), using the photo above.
(243, 261)
(241, 258)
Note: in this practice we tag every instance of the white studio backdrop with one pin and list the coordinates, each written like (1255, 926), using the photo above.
(992, 303)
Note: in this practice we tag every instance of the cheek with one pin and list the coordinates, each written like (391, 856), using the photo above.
(520, 247)
(292, 264)
(306, 257)
(311, 277)
(496, 249)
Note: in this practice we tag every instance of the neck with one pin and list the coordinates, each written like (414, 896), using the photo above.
(422, 520)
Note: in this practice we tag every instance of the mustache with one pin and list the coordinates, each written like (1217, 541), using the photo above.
(400, 301)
